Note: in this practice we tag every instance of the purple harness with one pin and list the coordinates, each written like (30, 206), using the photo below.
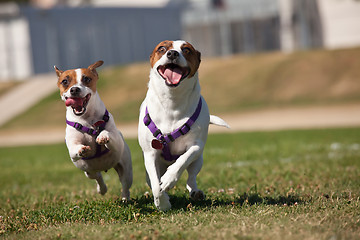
(162, 140)
(100, 125)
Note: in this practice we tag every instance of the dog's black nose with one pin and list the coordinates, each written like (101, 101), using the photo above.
(172, 54)
(75, 91)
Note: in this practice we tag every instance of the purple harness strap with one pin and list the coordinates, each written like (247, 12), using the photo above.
(165, 139)
(94, 132)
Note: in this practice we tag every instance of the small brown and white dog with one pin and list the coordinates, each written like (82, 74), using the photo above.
(174, 121)
(93, 141)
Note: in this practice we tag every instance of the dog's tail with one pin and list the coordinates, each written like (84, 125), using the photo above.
(218, 121)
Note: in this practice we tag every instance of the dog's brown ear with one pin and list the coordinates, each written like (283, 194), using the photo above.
(58, 71)
(198, 55)
(93, 66)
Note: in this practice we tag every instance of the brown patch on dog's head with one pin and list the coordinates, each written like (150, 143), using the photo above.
(192, 56)
(68, 78)
(90, 76)
(159, 51)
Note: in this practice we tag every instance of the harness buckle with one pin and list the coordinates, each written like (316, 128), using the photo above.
(184, 129)
(171, 138)
(78, 126)
(147, 120)
(106, 118)
(91, 131)
(157, 132)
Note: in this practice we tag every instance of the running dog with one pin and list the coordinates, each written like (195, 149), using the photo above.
(174, 121)
(93, 141)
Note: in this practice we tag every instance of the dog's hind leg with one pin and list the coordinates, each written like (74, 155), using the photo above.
(193, 170)
(124, 170)
(101, 186)
(126, 181)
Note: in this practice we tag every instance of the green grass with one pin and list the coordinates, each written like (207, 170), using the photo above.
(301, 184)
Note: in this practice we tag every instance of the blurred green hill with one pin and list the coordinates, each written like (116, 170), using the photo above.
(229, 85)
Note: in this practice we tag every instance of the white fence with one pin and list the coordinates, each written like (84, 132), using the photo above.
(15, 50)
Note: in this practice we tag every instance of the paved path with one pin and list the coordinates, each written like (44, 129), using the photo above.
(340, 115)
(27, 94)
(345, 115)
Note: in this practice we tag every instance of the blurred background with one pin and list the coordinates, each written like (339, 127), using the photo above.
(257, 54)
(36, 34)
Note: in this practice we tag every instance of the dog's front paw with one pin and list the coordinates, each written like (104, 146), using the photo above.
(84, 151)
(162, 202)
(168, 181)
(103, 139)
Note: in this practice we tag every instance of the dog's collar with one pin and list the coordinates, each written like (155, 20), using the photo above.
(100, 125)
(162, 140)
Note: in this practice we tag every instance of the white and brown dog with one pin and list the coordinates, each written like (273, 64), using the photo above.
(93, 141)
(174, 121)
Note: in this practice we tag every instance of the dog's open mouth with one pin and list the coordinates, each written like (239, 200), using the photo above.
(173, 73)
(78, 104)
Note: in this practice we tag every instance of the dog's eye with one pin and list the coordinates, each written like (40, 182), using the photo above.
(86, 79)
(186, 50)
(65, 82)
(162, 49)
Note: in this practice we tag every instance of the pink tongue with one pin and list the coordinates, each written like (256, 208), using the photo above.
(173, 75)
(74, 102)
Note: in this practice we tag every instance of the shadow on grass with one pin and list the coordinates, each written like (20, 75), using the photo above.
(183, 202)
(256, 198)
